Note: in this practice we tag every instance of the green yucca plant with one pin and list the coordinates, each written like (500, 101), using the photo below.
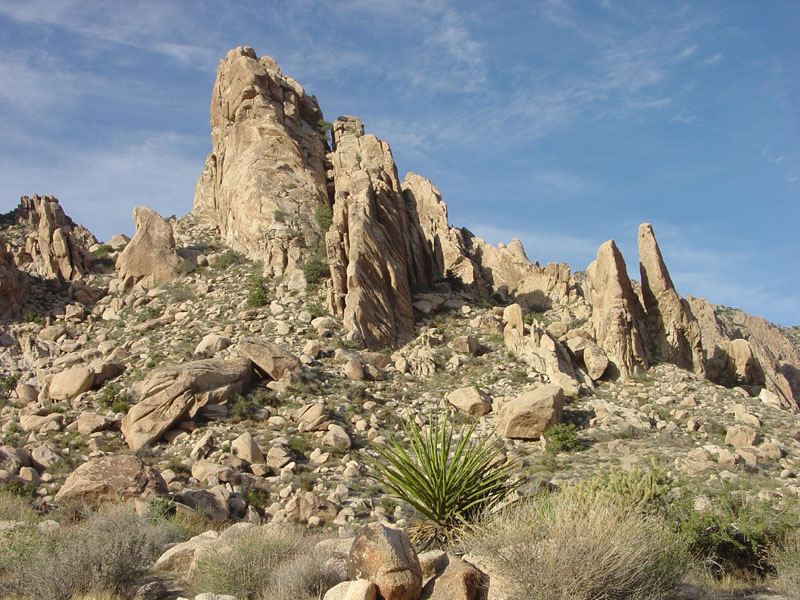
(449, 482)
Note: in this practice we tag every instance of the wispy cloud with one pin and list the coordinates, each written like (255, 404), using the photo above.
(683, 118)
(714, 59)
(687, 52)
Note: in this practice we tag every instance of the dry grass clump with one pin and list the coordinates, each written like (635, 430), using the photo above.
(105, 554)
(16, 508)
(562, 548)
(275, 563)
(786, 561)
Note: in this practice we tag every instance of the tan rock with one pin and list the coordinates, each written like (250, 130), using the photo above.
(111, 479)
(312, 417)
(354, 370)
(71, 383)
(530, 414)
(265, 174)
(385, 557)
(211, 344)
(273, 360)
(207, 470)
(171, 393)
(617, 316)
(41, 424)
(740, 436)
(352, 590)
(150, 258)
(591, 354)
(456, 579)
(179, 557)
(14, 285)
(514, 317)
(467, 345)
(89, 422)
(369, 248)
(58, 247)
(673, 330)
(470, 400)
(310, 505)
(246, 448)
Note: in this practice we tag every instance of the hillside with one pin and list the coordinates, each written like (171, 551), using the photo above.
(246, 361)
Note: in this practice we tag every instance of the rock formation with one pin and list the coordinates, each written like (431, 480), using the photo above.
(13, 284)
(150, 258)
(265, 174)
(672, 329)
(617, 316)
(57, 249)
(368, 246)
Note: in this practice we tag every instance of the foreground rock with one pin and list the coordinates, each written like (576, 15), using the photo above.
(385, 557)
(150, 258)
(171, 393)
(111, 479)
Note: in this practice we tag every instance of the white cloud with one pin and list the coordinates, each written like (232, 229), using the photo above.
(687, 52)
(714, 59)
(683, 118)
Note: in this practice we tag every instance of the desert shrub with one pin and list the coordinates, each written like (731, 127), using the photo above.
(114, 398)
(786, 562)
(565, 548)
(561, 437)
(256, 562)
(643, 490)
(108, 552)
(315, 269)
(258, 292)
(8, 384)
(324, 130)
(15, 507)
(32, 317)
(735, 534)
(228, 259)
(324, 216)
(449, 478)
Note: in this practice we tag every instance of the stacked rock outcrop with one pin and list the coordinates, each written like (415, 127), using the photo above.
(58, 248)
(265, 174)
(151, 257)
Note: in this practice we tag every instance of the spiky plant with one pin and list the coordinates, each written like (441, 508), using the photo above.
(449, 479)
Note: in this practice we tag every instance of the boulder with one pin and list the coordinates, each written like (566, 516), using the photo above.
(41, 424)
(530, 414)
(513, 317)
(352, 590)
(740, 436)
(470, 400)
(384, 556)
(71, 383)
(246, 448)
(172, 393)
(467, 345)
(455, 579)
(211, 344)
(150, 258)
(111, 479)
(593, 357)
(271, 359)
(89, 423)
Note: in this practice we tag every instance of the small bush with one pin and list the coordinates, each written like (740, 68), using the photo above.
(112, 397)
(324, 216)
(561, 438)
(450, 479)
(315, 270)
(8, 384)
(643, 490)
(260, 563)
(32, 317)
(786, 562)
(563, 548)
(108, 552)
(736, 534)
(228, 259)
(279, 216)
(257, 298)
(15, 507)
(149, 312)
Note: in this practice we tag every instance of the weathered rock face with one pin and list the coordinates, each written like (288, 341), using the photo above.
(617, 316)
(111, 478)
(368, 246)
(171, 393)
(13, 284)
(266, 171)
(672, 329)
(532, 413)
(58, 248)
(443, 250)
(150, 258)
(741, 348)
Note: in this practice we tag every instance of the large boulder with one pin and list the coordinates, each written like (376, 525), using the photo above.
(673, 331)
(111, 479)
(455, 579)
(617, 315)
(171, 393)
(265, 175)
(273, 360)
(150, 258)
(593, 357)
(384, 556)
(71, 383)
(531, 413)
(470, 400)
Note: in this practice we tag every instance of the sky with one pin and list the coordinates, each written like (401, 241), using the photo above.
(564, 123)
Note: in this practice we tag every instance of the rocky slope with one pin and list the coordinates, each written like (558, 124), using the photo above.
(198, 360)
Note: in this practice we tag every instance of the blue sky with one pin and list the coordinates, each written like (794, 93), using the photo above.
(564, 123)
